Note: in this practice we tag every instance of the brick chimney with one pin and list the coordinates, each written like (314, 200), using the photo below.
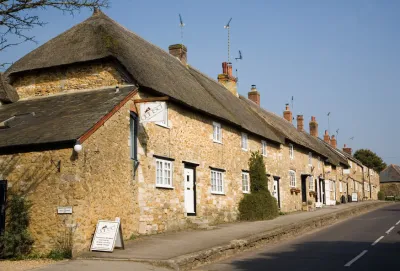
(227, 79)
(333, 142)
(300, 123)
(346, 149)
(287, 114)
(327, 139)
(179, 51)
(313, 127)
(254, 95)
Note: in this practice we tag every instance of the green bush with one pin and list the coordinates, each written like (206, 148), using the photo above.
(260, 204)
(337, 202)
(381, 195)
(16, 242)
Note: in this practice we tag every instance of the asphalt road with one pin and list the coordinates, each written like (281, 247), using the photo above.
(367, 242)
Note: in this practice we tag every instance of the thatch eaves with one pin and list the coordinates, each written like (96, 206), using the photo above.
(7, 92)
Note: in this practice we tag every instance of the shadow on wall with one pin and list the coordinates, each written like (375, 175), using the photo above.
(322, 256)
(27, 173)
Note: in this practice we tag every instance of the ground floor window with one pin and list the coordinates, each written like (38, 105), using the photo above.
(311, 183)
(245, 182)
(217, 182)
(292, 178)
(163, 173)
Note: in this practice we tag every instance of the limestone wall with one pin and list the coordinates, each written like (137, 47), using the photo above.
(72, 77)
(98, 184)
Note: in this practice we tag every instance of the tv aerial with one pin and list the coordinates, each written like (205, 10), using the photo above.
(240, 56)
(227, 26)
(181, 25)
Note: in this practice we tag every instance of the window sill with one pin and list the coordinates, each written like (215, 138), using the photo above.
(244, 149)
(218, 142)
(163, 125)
(165, 187)
(246, 192)
(218, 193)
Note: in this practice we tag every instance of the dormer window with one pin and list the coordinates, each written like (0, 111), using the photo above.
(264, 148)
(217, 132)
(291, 151)
(244, 142)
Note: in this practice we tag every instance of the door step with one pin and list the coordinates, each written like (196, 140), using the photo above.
(199, 223)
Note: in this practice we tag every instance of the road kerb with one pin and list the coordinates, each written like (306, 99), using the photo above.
(207, 256)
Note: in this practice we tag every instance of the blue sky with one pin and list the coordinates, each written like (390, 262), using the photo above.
(332, 56)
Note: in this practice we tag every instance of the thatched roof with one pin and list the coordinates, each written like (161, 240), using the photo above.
(100, 37)
(390, 174)
(58, 118)
(292, 134)
(7, 92)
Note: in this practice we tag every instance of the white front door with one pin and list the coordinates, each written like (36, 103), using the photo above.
(275, 191)
(327, 192)
(189, 190)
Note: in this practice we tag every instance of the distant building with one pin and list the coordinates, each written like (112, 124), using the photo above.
(390, 180)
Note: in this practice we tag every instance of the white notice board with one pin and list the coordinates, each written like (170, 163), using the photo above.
(108, 234)
(354, 197)
(153, 112)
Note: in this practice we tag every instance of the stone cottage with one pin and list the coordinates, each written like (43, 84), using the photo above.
(71, 134)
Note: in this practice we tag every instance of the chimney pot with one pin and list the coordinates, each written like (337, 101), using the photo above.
(347, 149)
(326, 137)
(300, 123)
(227, 79)
(333, 142)
(179, 51)
(254, 95)
(313, 127)
(287, 114)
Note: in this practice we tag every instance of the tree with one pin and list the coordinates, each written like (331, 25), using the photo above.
(370, 159)
(16, 18)
(16, 241)
(259, 204)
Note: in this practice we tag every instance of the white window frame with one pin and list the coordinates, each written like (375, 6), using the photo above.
(291, 151)
(164, 123)
(217, 182)
(264, 148)
(162, 179)
(332, 185)
(311, 183)
(246, 182)
(244, 142)
(292, 178)
(217, 132)
(340, 186)
(310, 158)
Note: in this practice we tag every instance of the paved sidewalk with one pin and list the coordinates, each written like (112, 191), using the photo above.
(170, 245)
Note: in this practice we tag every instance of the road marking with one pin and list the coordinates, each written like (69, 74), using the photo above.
(389, 230)
(398, 222)
(356, 258)
(377, 240)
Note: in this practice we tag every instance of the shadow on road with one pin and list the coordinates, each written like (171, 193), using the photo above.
(321, 256)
